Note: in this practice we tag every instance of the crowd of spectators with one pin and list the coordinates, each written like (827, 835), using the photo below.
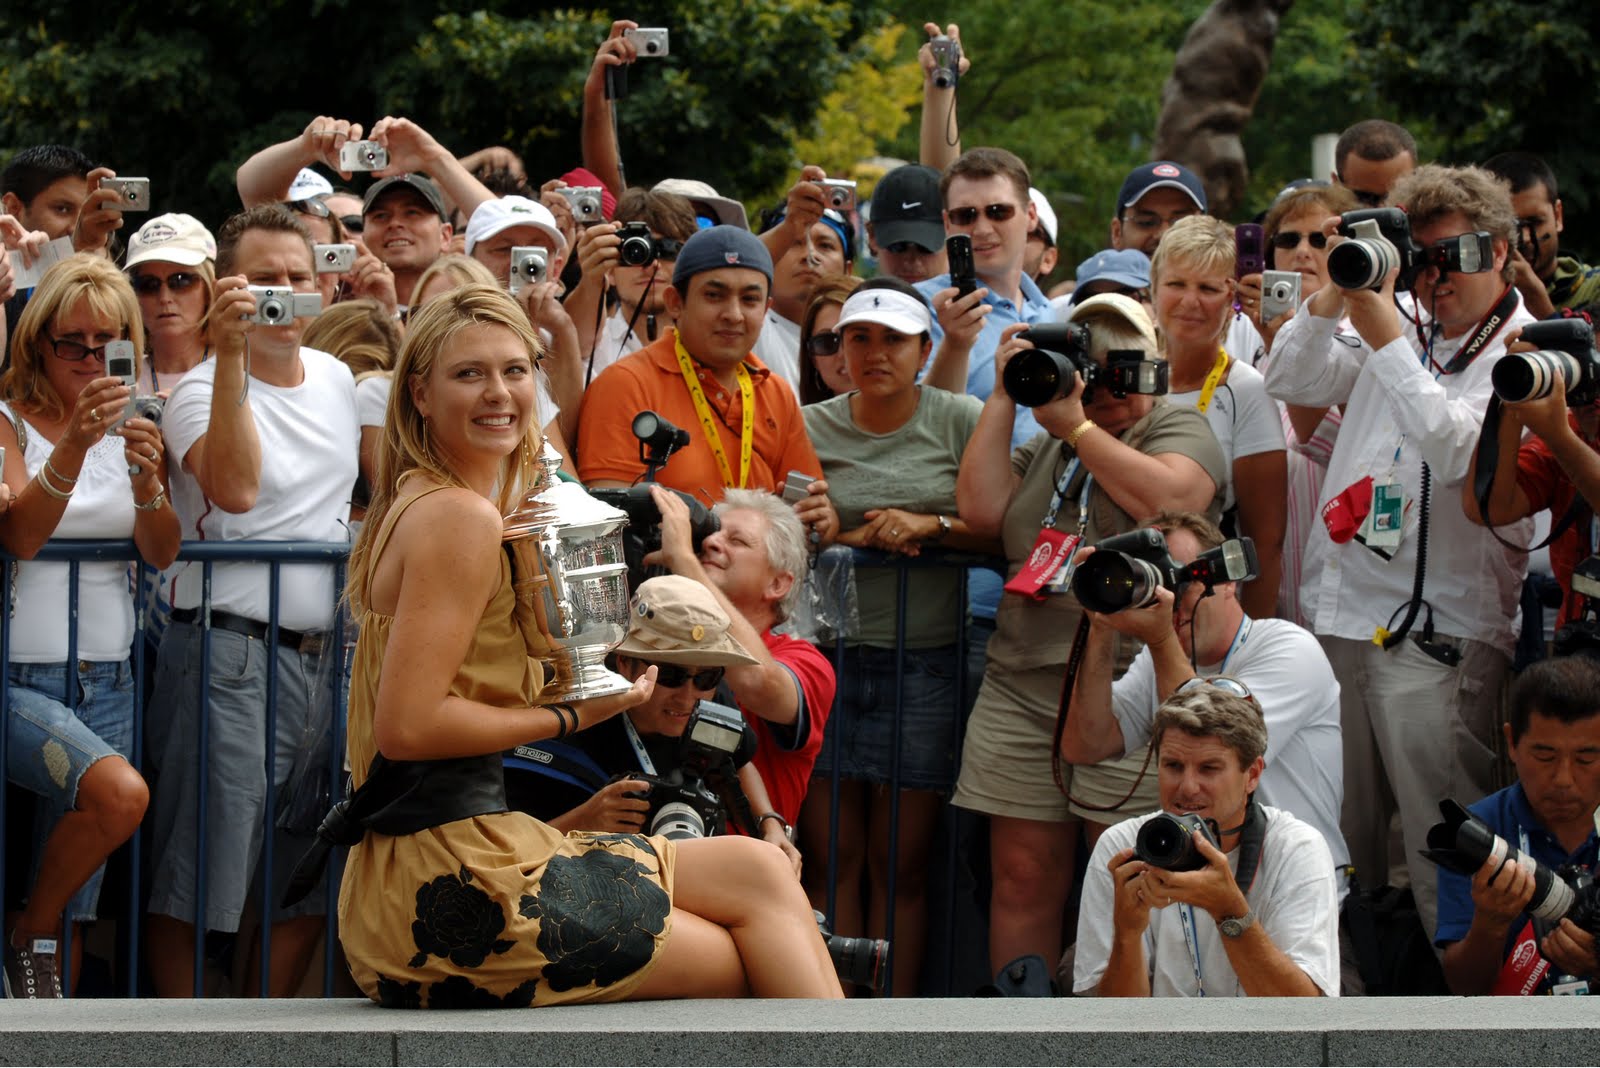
(1316, 707)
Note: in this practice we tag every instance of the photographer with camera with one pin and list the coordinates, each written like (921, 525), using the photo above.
(1548, 281)
(1216, 895)
(1415, 606)
(264, 439)
(1105, 462)
(810, 236)
(1488, 937)
(590, 781)
(1201, 630)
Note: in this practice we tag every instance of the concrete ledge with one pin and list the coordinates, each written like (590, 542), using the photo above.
(919, 1032)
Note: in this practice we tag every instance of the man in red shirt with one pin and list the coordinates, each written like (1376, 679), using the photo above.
(756, 565)
(744, 424)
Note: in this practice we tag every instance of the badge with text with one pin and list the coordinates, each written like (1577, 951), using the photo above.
(1386, 521)
(1524, 969)
(1051, 552)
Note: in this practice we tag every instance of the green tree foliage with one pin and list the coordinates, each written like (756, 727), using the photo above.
(1493, 76)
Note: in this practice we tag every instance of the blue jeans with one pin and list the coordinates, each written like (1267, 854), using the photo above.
(59, 722)
(863, 725)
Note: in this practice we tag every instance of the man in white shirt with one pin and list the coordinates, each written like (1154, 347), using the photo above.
(1201, 633)
(809, 241)
(1418, 713)
(263, 440)
(1255, 917)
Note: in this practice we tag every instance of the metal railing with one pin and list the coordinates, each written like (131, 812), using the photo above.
(274, 554)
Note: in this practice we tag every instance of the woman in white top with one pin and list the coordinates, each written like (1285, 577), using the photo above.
(171, 267)
(1191, 277)
(69, 723)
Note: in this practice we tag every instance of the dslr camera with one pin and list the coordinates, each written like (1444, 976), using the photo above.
(278, 306)
(1379, 241)
(585, 203)
(1461, 843)
(658, 440)
(1040, 375)
(1126, 570)
(530, 265)
(639, 247)
(688, 801)
(839, 193)
(1167, 841)
(1582, 635)
(1564, 349)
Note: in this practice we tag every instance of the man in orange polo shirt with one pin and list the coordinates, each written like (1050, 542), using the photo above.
(744, 423)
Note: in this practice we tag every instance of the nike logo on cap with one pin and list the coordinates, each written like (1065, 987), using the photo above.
(907, 207)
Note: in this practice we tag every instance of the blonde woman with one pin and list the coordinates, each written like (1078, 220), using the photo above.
(69, 723)
(462, 903)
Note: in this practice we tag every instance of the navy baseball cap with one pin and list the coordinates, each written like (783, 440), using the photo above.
(906, 206)
(1162, 174)
(721, 246)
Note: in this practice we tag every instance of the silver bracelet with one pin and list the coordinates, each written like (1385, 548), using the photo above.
(49, 465)
(153, 504)
(44, 484)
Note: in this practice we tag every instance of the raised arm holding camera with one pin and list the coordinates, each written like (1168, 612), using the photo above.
(1422, 650)
(1216, 895)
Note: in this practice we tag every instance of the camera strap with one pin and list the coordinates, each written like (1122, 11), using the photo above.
(708, 420)
(1213, 380)
(1252, 836)
(1488, 459)
(646, 765)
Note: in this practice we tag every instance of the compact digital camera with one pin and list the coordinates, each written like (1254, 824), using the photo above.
(586, 202)
(133, 194)
(652, 43)
(946, 61)
(363, 156)
(278, 306)
(839, 194)
(334, 259)
(639, 247)
(530, 265)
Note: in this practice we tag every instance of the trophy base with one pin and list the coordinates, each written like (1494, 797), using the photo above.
(582, 682)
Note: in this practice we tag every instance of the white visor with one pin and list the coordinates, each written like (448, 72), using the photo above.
(887, 307)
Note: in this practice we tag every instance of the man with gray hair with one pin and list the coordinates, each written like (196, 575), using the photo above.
(1246, 907)
(756, 566)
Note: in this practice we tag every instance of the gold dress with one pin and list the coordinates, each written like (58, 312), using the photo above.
(496, 910)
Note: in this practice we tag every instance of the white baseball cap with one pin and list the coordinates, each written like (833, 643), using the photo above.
(308, 185)
(1047, 214)
(493, 216)
(887, 307)
(172, 238)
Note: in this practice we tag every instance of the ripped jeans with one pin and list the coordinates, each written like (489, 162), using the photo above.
(53, 736)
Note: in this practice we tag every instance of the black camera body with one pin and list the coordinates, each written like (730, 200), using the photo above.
(643, 535)
(1581, 637)
(1379, 241)
(1564, 348)
(694, 799)
(1037, 376)
(638, 247)
(1126, 570)
(1167, 841)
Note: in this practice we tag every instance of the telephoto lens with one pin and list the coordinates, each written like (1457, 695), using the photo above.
(1462, 842)
(1525, 376)
(862, 961)
(1362, 262)
(678, 821)
(1038, 376)
(1110, 581)
(1167, 841)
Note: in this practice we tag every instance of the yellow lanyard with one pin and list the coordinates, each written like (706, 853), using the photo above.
(708, 421)
(1213, 380)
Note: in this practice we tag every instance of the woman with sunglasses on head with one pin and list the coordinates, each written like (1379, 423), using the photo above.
(1192, 279)
(74, 472)
(456, 901)
(890, 450)
(1101, 464)
(823, 371)
(171, 264)
(1295, 242)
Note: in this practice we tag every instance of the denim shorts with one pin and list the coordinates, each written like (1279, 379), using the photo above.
(236, 779)
(53, 736)
(862, 727)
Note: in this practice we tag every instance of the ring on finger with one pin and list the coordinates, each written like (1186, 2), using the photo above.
(94, 413)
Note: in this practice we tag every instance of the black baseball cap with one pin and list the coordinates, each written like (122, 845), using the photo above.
(906, 206)
(419, 183)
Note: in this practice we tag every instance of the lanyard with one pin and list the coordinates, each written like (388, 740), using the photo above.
(1240, 636)
(1486, 332)
(1213, 380)
(646, 765)
(1061, 492)
(1191, 942)
(708, 421)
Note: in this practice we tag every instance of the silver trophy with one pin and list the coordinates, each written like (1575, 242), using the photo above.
(571, 583)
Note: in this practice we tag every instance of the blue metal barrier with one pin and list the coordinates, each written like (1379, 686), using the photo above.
(903, 567)
(274, 554)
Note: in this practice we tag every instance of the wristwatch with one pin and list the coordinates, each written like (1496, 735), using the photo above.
(944, 528)
(788, 831)
(1234, 926)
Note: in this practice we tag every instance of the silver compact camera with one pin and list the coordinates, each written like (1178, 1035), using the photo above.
(279, 305)
(839, 193)
(362, 156)
(946, 61)
(1280, 293)
(530, 265)
(651, 44)
(585, 202)
(334, 259)
(133, 194)
(145, 406)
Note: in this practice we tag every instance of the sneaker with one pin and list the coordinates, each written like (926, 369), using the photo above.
(31, 970)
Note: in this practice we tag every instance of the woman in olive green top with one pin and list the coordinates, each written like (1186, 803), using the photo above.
(1107, 463)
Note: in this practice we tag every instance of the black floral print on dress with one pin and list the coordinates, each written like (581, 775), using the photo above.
(459, 992)
(599, 914)
(458, 921)
(393, 994)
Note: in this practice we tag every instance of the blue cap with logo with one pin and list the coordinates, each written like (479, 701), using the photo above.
(1162, 174)
(717, 247)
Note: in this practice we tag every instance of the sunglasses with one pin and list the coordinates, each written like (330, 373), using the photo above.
(309, 207)
(351, 223)
(1225, 683)
(993, 212)
(148, 285)
(1371, 200)
(1285, 240)
(674, 675)
(824, 344)
(76, 351)
(906, 248)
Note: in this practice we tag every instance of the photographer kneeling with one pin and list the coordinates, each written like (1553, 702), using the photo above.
(678, 626)
(1485, 927)
(1239, 901)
